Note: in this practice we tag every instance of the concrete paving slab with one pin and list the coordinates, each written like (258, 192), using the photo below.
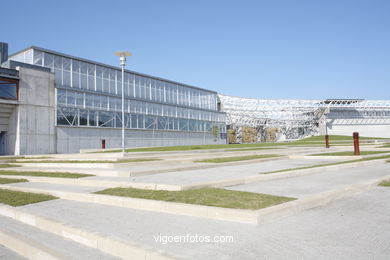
(7, 254)
(303, 186)
(351, 228)
(47, 242)
(56, 187)
(227, 172)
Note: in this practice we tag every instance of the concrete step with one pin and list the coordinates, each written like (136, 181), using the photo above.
(34, 243)
(51, 237)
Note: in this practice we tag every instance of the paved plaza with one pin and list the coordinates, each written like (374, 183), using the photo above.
(339, 213)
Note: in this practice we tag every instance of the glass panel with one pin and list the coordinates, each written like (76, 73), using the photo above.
(91, 83)
(97, 102)
(70, 98)
(89, 100)
(75, 80)
(8, 89)
(91, 70)
(75, 66)
(106, 119)
(83, 81)
(104, 102)
(38, 57)
(83, 117)
(134, 120)
(150, 122)
(66, 78)
(183, 124)
(83, 67)
(118, 120)
(141, 122)
(61, 96)
(29, 57)
(49, 61)
(58, 77)
(79, 99)
(67, 116)
(58, 62)
(66, 64)
(92, 116)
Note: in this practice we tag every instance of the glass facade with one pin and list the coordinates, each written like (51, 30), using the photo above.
(89, 95)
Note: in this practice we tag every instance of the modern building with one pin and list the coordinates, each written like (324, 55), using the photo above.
(260, 120)
(56, 103)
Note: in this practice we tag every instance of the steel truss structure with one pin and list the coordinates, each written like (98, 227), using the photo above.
(300, 118)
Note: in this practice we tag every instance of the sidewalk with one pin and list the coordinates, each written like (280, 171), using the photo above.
(352, 227)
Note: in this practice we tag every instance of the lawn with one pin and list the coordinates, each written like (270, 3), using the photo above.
(349, 153)
(8, 165)
(252, 149)
(238, 158)
(45, 174)
(90, 161)
(20, 198)
(195, 147)
(385, 183)
(204, 196)
(10, 180)
(338, 138)
(310, 141)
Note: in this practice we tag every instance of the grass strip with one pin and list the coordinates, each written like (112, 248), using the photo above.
(252, 149)
(238, 158)
(339, 138)
(10, 180)
(46, 174)
(310, 141)
(329, 164)
(20, 198)
(385, 183)
(91, 161)
(204, 196)
(349, 153)
(8, 165)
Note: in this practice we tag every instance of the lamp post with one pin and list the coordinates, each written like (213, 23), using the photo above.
(122, 58)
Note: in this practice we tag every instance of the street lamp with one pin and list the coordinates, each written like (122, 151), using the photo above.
(122, 58)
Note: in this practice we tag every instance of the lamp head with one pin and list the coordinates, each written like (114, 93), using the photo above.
(122, 56)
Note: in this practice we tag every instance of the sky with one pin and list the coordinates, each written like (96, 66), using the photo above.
(275, 49)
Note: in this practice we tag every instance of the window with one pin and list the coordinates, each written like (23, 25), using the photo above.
(9, 88)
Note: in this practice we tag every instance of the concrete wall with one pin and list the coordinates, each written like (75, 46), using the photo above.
(363, 127)
(72, 139)
(31, 128)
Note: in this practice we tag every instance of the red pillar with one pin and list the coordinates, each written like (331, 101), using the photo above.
(356, 147)
(327, 141)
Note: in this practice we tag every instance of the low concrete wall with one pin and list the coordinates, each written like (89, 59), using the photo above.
(341, 127)
(73, 139)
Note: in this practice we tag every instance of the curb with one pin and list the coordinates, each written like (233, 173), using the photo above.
(97, 183)
(95, 240)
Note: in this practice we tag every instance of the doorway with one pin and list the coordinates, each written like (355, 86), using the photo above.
(3, 148)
